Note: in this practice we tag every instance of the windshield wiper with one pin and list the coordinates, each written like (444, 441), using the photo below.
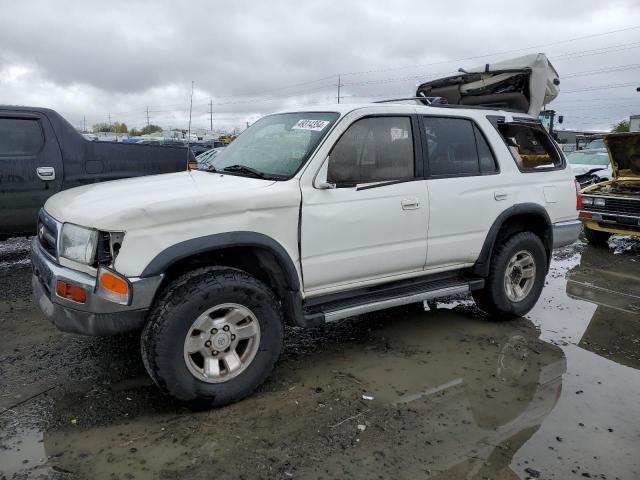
(244, 169)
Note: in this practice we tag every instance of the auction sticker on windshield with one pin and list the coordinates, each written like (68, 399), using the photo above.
(315, 125)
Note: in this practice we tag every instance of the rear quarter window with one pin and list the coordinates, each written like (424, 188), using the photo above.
(531, 147)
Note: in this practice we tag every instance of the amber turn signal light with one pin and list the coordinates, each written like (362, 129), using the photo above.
(113, 283)
(71, 292)
(113, 287)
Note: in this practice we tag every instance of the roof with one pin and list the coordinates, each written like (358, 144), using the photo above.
(401, 107)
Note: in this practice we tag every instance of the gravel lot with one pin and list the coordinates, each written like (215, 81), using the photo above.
(404, 393)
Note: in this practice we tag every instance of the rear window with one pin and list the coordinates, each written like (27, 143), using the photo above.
(530, 146)
(20, 136)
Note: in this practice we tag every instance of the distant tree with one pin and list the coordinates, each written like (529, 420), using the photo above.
(146, 130)
(120, 127)
(134, 132)
(115, 127)
(621, 127)
(101, 127)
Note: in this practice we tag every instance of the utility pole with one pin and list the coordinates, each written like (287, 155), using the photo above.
(84, 123)
(147, 116)
(109, 121)
(211, 113)
(339, 85)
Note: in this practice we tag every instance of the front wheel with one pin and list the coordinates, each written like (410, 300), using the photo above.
(212, 337)
(516, 277)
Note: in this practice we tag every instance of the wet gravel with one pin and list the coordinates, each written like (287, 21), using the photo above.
(447, 394)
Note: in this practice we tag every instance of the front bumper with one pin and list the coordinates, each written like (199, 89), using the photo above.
(565, 233)
(97, 316)
(613, 222)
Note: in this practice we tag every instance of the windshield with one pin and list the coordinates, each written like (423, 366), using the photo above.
(588, 158)
(597, 143)
(276, 145)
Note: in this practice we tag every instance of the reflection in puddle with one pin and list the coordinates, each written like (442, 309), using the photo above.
(455, 391)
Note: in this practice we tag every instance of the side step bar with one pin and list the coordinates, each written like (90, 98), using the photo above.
(332, 313)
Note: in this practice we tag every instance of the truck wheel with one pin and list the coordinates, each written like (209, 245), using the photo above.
(516, 277)
(596, 237)
(212, 336)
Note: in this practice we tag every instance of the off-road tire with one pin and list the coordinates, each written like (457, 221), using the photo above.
(596, 237)
(493, 297)
(172, 316)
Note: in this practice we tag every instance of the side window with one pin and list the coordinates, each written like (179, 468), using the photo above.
(456, 147)
(487, 161)
(530, 146)
(20, 136)
(373, 150)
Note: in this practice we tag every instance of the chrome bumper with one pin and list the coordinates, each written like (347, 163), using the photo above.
(97, 316)
(565, 233)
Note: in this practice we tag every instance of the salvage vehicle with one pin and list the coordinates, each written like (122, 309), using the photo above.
(591, 165)
(41, 154)
(309, 216)
(613, 207)
(523, 84)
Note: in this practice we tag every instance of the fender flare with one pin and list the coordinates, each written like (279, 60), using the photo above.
(208, 243)
(481, 267)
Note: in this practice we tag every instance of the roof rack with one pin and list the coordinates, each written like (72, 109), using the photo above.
(431, 101)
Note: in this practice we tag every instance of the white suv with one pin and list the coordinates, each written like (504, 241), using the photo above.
(308, 217)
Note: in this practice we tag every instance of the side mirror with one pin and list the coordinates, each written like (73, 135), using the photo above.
(321, 179)
(560, 119)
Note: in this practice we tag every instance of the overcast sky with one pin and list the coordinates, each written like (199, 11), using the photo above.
(253, 58)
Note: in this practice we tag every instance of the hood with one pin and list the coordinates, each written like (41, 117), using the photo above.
(523, 84)
(624, 151)
(152, 200)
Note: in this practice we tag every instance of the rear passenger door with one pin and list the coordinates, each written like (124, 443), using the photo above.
(365, 220)
(30, 170)
(466, 190)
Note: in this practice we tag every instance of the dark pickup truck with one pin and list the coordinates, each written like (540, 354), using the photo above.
(42, 154)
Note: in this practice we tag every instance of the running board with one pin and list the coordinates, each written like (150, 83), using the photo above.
(332, 313)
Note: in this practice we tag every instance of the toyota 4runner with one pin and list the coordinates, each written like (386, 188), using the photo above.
(309, 217)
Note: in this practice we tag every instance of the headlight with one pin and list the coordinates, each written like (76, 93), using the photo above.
(78, 243)
(587, 201)
(599, 201)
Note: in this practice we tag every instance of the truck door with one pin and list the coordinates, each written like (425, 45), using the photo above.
(371, 223)
(30, 170)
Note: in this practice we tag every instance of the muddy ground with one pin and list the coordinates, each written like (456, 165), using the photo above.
(406, 394)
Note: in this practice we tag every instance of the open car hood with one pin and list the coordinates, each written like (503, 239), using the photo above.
(523, 84)
(624, 152)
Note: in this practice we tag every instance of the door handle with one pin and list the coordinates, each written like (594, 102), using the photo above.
(410, 204)
(500, 196)
(46, 173)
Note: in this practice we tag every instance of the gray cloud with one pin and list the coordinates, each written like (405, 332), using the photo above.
(88, 61)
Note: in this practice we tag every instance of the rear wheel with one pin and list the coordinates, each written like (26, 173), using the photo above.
(516, 277)
(596, 237)
(212, 337)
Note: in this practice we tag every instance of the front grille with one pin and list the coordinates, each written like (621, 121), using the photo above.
(623, 206)
(48, 233)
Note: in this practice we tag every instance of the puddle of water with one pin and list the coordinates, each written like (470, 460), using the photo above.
(454, 396)
(23, 453)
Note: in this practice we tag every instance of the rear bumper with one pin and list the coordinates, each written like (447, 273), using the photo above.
(97, 316)
(565, 233)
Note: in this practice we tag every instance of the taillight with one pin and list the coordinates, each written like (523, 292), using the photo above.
(578, 196)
